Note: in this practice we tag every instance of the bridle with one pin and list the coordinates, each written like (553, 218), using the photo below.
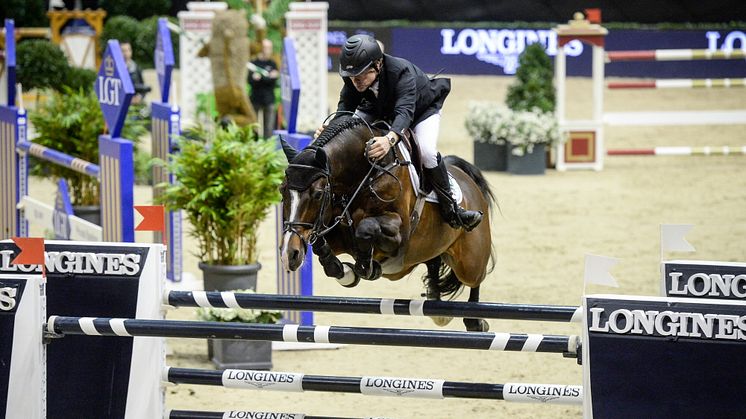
(328, 199)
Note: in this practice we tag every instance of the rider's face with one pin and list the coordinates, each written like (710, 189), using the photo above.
(364, 80)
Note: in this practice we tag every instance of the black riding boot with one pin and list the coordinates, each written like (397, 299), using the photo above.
(452, 213)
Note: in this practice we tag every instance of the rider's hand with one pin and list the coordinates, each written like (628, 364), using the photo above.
(319, 130)
(378, 147)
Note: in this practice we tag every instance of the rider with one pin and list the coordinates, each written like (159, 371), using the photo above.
(380, 86)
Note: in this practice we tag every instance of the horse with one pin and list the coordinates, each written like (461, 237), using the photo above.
(338, 201)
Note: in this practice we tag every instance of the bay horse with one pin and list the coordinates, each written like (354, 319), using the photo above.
(338, 201)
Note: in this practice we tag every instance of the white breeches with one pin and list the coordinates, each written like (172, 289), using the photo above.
(426, 133)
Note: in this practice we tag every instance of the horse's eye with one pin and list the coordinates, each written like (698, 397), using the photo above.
(317, 195)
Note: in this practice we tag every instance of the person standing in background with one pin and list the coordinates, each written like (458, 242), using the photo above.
(263, 77)
(141, 89)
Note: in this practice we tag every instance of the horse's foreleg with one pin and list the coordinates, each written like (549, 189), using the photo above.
(331, 264)
(475, 325)
(365, 236)
(375, 232)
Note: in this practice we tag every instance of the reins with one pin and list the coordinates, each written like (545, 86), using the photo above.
(318, 228)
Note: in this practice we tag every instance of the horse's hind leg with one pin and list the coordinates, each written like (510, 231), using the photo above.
(433, 288)
(475, 325)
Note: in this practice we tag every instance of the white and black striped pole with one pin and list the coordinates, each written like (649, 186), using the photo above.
(100, 326)
(243, 414)
(377, 386)
(371, 305)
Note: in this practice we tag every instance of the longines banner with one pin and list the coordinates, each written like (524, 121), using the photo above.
(495, 51)
(674, 357)
(704, 279)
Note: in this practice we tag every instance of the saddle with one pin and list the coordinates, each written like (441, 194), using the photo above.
(410, 152)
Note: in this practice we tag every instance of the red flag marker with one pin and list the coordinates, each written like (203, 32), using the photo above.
(153, 219)
(32, 252)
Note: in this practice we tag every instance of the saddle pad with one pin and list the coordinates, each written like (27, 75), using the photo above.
(415, 177)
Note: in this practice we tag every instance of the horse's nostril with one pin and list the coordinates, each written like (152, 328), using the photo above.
(294, 255)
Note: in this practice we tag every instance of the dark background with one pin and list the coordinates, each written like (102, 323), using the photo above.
(693, 11)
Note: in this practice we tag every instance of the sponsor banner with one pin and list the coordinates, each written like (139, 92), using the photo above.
(80, 260)
(242, 414)
(495, 51)
(402, 387)
(671, 349)
(704, 279)
(542, 393)
(263, 380)
(90, 279)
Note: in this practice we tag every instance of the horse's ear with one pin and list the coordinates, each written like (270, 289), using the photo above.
(321, 158)
(290, 152)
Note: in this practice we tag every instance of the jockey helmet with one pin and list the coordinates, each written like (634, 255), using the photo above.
(358, 54)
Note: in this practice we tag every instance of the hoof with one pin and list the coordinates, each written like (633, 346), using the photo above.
(368, 273)
(476, 325)
(348, 279)
(441, 320)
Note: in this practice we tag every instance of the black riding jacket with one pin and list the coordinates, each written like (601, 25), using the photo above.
(406, 95)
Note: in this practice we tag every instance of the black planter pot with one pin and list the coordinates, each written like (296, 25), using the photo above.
(241, 354)
(90, 213)
(491, 157)
(533, 163)
(229, 277)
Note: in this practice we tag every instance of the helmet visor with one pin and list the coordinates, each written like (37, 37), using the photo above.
(352, 71)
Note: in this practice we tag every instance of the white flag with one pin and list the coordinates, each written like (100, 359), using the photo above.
(597, 270)
(673, 238)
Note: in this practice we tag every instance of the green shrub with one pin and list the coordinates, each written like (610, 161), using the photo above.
(121, 28)
(80, 78)
(227, 180)
(71, 122)
(533, 87)
(40, 64)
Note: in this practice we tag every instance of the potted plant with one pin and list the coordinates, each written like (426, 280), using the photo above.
(241, 354)
(71, 122)
(490, 152)
(529, 135)
(227, 180)
(523, 137)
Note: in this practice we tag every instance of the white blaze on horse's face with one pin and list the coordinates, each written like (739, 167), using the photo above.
(294, 203)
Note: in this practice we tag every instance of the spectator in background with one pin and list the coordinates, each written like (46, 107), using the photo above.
(141, 89)
(263, 77)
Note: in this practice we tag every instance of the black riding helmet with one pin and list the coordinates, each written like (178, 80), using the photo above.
(358, 54)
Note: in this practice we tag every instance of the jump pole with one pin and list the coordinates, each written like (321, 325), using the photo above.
(373, 306)
(376, 386)
(679, 84)
(674, 55)
(679, 151)
(241, 414)
(93, 326)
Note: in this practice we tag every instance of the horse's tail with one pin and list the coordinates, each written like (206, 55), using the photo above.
(447, 282)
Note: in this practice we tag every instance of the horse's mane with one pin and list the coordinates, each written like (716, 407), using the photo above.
(330, 132)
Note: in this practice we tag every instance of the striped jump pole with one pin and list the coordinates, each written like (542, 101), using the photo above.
(58, 158)
(92, 326)
(243, 414)
(674, 55)
(372, 306)
(377, 386)
(678, 84)
(679, 151)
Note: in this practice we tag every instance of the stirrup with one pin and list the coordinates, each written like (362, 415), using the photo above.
(457, 221)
